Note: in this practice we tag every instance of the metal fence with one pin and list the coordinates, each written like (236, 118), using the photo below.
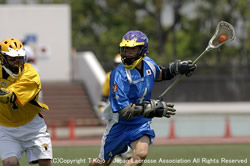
(209, 83)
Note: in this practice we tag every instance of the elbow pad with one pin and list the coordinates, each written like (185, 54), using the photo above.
(130, 111)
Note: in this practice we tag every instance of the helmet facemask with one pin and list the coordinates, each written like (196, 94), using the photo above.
(13, 64)
(130, 60)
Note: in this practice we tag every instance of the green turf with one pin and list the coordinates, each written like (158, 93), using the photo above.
(208, 154)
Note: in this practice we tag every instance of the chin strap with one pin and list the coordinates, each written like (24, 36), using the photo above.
(134, 64)
(15, 76)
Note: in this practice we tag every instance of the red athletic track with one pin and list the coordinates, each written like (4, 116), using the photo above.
(161, 141)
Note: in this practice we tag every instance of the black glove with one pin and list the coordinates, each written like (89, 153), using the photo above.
(182, 67)
(157, 108)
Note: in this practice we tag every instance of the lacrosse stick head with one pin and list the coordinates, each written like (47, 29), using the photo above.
(224, 33)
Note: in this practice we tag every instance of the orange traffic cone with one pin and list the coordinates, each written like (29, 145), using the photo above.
(72, 129)
(171, 129)
(227, 128)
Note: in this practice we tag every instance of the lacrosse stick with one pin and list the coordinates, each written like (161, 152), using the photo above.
(224, 33)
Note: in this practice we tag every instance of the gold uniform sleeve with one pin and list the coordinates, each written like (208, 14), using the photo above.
(24, 91)
(106, 86)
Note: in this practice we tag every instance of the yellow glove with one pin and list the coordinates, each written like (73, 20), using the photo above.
(6, 96)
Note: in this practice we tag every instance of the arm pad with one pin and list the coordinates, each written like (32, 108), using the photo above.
(166, 74)
(130, 111)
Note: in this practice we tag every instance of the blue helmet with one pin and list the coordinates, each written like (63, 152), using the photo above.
(133, 38)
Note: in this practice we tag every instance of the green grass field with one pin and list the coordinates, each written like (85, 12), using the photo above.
(188, 155)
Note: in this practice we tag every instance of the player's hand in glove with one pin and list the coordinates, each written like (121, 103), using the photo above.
(6, 96)
(182, 67)
(157, 108)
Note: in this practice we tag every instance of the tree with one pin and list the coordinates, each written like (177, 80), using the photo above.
(98, 25)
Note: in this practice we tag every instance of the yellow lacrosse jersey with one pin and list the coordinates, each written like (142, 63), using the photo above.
(26, 89)
(106, 86)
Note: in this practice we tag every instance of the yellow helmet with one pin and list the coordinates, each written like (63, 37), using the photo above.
(12, 47)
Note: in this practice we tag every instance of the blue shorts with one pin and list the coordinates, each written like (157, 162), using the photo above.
(118, 137)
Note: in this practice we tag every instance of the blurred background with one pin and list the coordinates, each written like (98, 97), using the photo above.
(74, 43)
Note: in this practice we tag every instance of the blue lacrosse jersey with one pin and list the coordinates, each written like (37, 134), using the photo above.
(128, 86)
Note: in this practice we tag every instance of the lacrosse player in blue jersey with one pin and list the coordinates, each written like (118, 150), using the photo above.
(130, 100)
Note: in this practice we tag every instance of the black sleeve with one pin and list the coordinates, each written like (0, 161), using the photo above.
(166, 75)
